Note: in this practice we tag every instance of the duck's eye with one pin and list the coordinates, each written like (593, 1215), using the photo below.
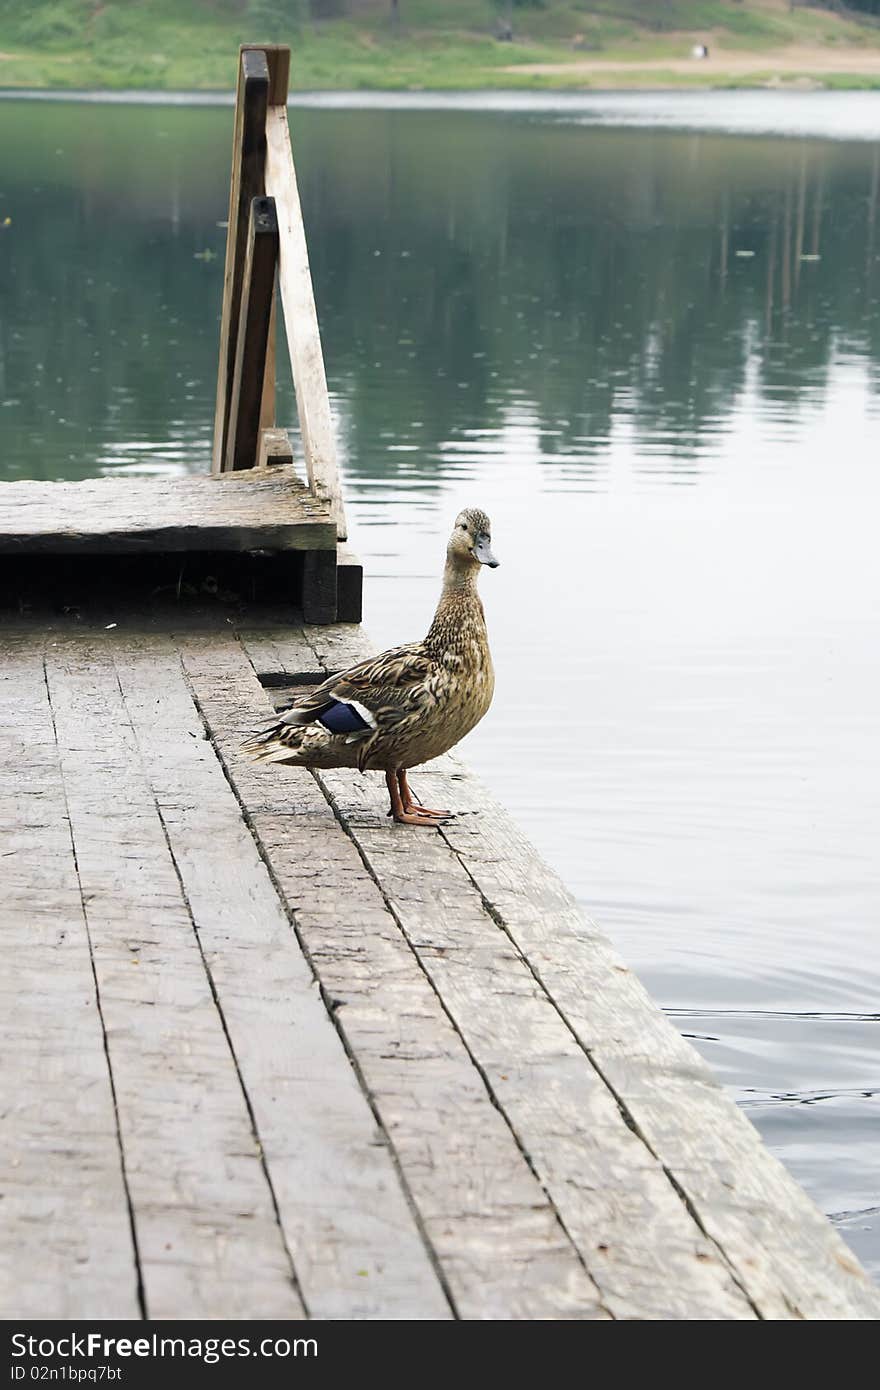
(463, 527)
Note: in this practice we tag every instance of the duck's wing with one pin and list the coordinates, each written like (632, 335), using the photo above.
(371, 696)
(379, 690)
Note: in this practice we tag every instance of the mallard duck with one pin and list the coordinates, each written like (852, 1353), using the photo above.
(412, 703)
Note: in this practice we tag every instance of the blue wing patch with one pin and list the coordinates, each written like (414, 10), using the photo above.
(342, 718)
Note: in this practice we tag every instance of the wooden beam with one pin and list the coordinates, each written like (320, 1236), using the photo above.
(255, 315)
(278, 61)
(267, 404)
(349, 586)
(246, 183)
(301, 321)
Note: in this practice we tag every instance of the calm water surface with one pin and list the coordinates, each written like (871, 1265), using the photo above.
(652, 355)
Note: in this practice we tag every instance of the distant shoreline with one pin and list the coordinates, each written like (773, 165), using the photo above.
(408, 67)
(813, 115)
(538, 78)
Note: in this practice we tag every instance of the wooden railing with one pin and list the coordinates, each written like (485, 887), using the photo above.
(265, 236)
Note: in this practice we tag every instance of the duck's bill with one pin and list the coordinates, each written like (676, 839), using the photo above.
(483, 552)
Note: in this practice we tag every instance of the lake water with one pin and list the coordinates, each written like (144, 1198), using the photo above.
(644, 335)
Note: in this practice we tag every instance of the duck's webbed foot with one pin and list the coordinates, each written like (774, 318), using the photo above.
(411, 805)
(404, 809)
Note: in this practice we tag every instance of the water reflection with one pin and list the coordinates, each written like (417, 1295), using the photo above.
(473, 273)
(653, 358)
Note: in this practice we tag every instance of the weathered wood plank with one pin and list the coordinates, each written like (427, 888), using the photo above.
(784, 1253)
(209, 1241)
(67, 1249)
(282, 651)
(338, 647)
(252, 341)
(635, 1236)
(300, 319)
(253, 510)
(498, 1239)
(247, 181)
(358, 1251)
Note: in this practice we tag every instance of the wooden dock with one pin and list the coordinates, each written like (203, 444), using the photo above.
(270, 1055)
(266, 1053)
(255, 499)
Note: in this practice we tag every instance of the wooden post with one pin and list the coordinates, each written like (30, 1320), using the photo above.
(278, 62)
(319, 586)
(301, 321)
(255, 314)
(244, 433)
(349, 586)
(247, 182)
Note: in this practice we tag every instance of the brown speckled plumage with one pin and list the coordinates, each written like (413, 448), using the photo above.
(421, 698)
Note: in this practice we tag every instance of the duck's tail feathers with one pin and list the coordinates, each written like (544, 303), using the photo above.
(282, 740)
(277, 743)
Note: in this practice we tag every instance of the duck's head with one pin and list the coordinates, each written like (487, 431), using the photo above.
(471, 540)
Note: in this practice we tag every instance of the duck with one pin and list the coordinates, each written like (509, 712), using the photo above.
(408, 705)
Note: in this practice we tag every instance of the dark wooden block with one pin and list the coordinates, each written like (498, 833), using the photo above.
(248, 182)
(349, 586)
(278, 60)
(319, 586)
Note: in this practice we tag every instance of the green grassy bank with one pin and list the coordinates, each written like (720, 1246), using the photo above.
(439, 44)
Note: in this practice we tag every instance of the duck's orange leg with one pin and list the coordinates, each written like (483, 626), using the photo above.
(405, 814)
(409, 803)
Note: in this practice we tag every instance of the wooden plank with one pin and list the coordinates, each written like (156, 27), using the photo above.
(209, 1241)
(358, 1250)
(281, 651)
(269, 510)
(247, 181)
(67, 1249)
(784, 1253)
(257, 292)
(267, 399)
(301, 321)
(338, 647)
(497, 1237)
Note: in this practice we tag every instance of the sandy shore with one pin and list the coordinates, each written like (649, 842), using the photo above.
(795, 61)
